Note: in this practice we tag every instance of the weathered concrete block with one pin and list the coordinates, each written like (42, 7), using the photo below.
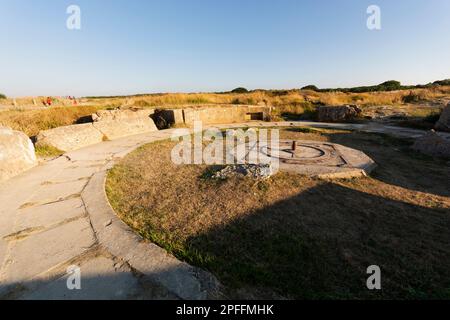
(115, 124)
(433, 144)
(116, 129)
(232, 114)
(338, 113)
(70, 137)
(444, 121)
(16, 153)
(121, 114)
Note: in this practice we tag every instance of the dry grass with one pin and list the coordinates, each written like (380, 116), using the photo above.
(293, 104)
(293, 236)
(288, 98)
(33, 121)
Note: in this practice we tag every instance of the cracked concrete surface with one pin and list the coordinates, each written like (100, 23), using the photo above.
(56, 215)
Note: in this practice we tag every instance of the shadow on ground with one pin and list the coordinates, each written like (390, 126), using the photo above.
(319, 243)
(399, 165)
(115, 285)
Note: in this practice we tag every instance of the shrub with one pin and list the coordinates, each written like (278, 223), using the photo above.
(2, 96)
(141, 103)
(411, 98)
(445, 82)
(310, 87)
(240, 90)
(389, 86)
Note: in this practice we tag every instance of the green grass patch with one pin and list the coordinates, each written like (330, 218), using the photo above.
(47, 151)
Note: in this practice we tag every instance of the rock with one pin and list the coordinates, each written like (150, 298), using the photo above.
(338, 113)
(70, 138)
(256, 171)
(16, 153)
(444, 121)
(433, 144)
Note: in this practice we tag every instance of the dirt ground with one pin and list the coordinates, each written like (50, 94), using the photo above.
(296, 237)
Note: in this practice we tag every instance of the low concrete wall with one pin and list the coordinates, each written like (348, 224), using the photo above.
(70, 137)
(115, 124)
(231, 114)
(16, 153)
(107, 125)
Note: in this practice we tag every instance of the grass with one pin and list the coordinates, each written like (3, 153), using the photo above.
(287, 104)
(33, 121)
(46, 151)
(293, 236)
(278, 98)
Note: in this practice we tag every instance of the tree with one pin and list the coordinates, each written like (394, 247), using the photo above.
(310, 87)
(2, 96)
(390, 85)
(240, 90)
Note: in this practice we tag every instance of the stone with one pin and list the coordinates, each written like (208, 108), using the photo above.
(16, 153)
(433, 144)
(70, 138)
(444, 121)
(256, 171)
(338, 113)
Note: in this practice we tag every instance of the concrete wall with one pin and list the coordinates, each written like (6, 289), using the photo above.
(107, 125)
(218, 115)
(115, 124)
(16, 153)
(70, 137)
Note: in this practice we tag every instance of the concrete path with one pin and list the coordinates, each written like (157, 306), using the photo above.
(56, 216)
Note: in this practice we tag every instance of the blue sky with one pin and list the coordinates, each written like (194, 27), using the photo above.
(144, 46)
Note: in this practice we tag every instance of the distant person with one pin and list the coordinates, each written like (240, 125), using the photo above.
(49, 101)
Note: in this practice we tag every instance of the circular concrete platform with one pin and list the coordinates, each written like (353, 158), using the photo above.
(318, 159)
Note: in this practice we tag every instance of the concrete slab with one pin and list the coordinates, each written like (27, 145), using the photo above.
(37, 253)
(317, 159)
(50, 214)
(101, 279)
(52, 192)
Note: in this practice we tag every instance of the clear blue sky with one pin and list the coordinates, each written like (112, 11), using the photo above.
(137, 46)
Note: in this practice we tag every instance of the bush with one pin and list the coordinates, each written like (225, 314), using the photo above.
(240, 90)
(411, 98)
(2, 96)
(310, 87)
(445, 82)
(389, 86)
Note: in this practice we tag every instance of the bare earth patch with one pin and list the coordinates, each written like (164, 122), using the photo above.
(291, 236)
